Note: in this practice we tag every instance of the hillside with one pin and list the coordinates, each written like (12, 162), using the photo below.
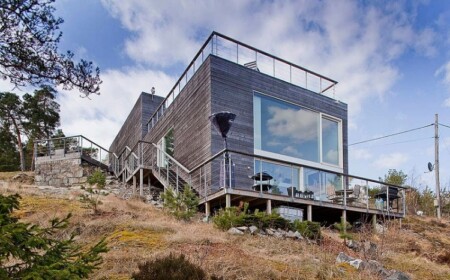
(136, 231)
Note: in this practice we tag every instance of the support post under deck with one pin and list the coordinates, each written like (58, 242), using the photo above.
(344, 220)
(134, 185)
(207, 209)
(269, 207)
(309, 212)
(141, 182)
(227, 200)
(374, 221)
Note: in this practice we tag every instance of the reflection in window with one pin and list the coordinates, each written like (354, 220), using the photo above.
(286, 129)
(330, 141)
(290, 130)
(284, 176)
(321, 183)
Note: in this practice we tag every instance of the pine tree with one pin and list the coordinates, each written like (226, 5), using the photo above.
(29, 251)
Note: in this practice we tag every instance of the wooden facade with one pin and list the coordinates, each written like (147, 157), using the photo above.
(216, 85)
(219, 85)
(135, 126)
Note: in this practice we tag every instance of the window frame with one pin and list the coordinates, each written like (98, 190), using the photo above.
(320, 164)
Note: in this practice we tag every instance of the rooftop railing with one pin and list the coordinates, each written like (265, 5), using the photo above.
(248, 56)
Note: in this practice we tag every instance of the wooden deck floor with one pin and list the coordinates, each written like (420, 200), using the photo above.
(322, 211)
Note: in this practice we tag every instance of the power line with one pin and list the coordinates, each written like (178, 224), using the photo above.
(401, 142)
(444, 125)
(390, 135)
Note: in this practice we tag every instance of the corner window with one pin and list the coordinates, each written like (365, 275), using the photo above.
(291, 130)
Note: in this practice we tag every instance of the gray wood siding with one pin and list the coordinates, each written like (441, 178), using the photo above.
(232, 88)
(135, 126)
(188, 116)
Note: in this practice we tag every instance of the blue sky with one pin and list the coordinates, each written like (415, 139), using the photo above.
(391, 59)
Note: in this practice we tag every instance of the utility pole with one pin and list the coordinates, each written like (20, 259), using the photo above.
(436, 166)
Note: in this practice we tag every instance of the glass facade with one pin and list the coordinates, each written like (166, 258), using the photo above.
(284, 176)
(290, 130)
(322, 183)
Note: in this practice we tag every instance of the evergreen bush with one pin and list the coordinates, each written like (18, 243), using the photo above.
(233, 217)
(97, 182)
(182, 205)
(30, 251)
(308, 229)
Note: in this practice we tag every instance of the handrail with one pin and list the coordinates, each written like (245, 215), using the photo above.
(273, 56)
(275, 160)
(174, 160)
(290, 163)
(75, 136)
(163, 106)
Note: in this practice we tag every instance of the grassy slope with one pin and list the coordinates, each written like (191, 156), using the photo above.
(136, 231)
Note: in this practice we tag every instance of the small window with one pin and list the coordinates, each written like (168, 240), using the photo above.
(165, 144)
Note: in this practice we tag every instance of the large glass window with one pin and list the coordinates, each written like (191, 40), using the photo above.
(287, 129)
(322, 183)
(284, 176)
(330, 141)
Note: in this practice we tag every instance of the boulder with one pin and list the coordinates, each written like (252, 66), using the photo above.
(278, 234)
(343, 258)
(370, 249)
(243, 229)
(377, 268)
(380, 229)
(398, 275)
(270, 231)
(352, 245)
(358, 264)
(298, 235)
(291, 234)
(235, 231)
(253, 229)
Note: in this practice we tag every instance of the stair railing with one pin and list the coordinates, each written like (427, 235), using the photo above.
(169, 171)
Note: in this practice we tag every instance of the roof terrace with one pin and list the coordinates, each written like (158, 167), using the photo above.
(248, 56)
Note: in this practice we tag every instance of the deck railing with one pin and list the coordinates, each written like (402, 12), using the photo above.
(62, 147)
(248, 56)
(298, 182)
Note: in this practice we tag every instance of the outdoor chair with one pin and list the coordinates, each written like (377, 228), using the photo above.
(352, 198)
(331, 195)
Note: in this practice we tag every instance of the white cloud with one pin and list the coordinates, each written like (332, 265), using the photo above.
(444, 72)
(390, 161)
(100, 117)
(360, 154)
(349, 41)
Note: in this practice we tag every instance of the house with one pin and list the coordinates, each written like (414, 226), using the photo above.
(287, 146)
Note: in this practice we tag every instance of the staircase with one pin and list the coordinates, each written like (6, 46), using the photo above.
(148, 159)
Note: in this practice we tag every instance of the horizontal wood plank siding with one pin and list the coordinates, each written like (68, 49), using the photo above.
(188, 116)
(232, 88)
(135, 126)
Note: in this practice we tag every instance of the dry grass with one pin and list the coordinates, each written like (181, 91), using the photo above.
(136, 231)
(6, 176)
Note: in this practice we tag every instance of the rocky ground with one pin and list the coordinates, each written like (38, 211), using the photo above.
(138, 230)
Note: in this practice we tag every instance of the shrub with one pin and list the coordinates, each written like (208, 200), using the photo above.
(97, 178)
(168, 268)
(228, 218)
(310, 230)
(233, 217)
(343, 226)
(97, 182)
(182, 205)
(30, 252)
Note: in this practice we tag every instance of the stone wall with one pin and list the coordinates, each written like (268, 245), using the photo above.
(62, 172)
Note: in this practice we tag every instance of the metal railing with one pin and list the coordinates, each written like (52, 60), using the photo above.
(298, 182)
(63, 147)
(246, 55)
